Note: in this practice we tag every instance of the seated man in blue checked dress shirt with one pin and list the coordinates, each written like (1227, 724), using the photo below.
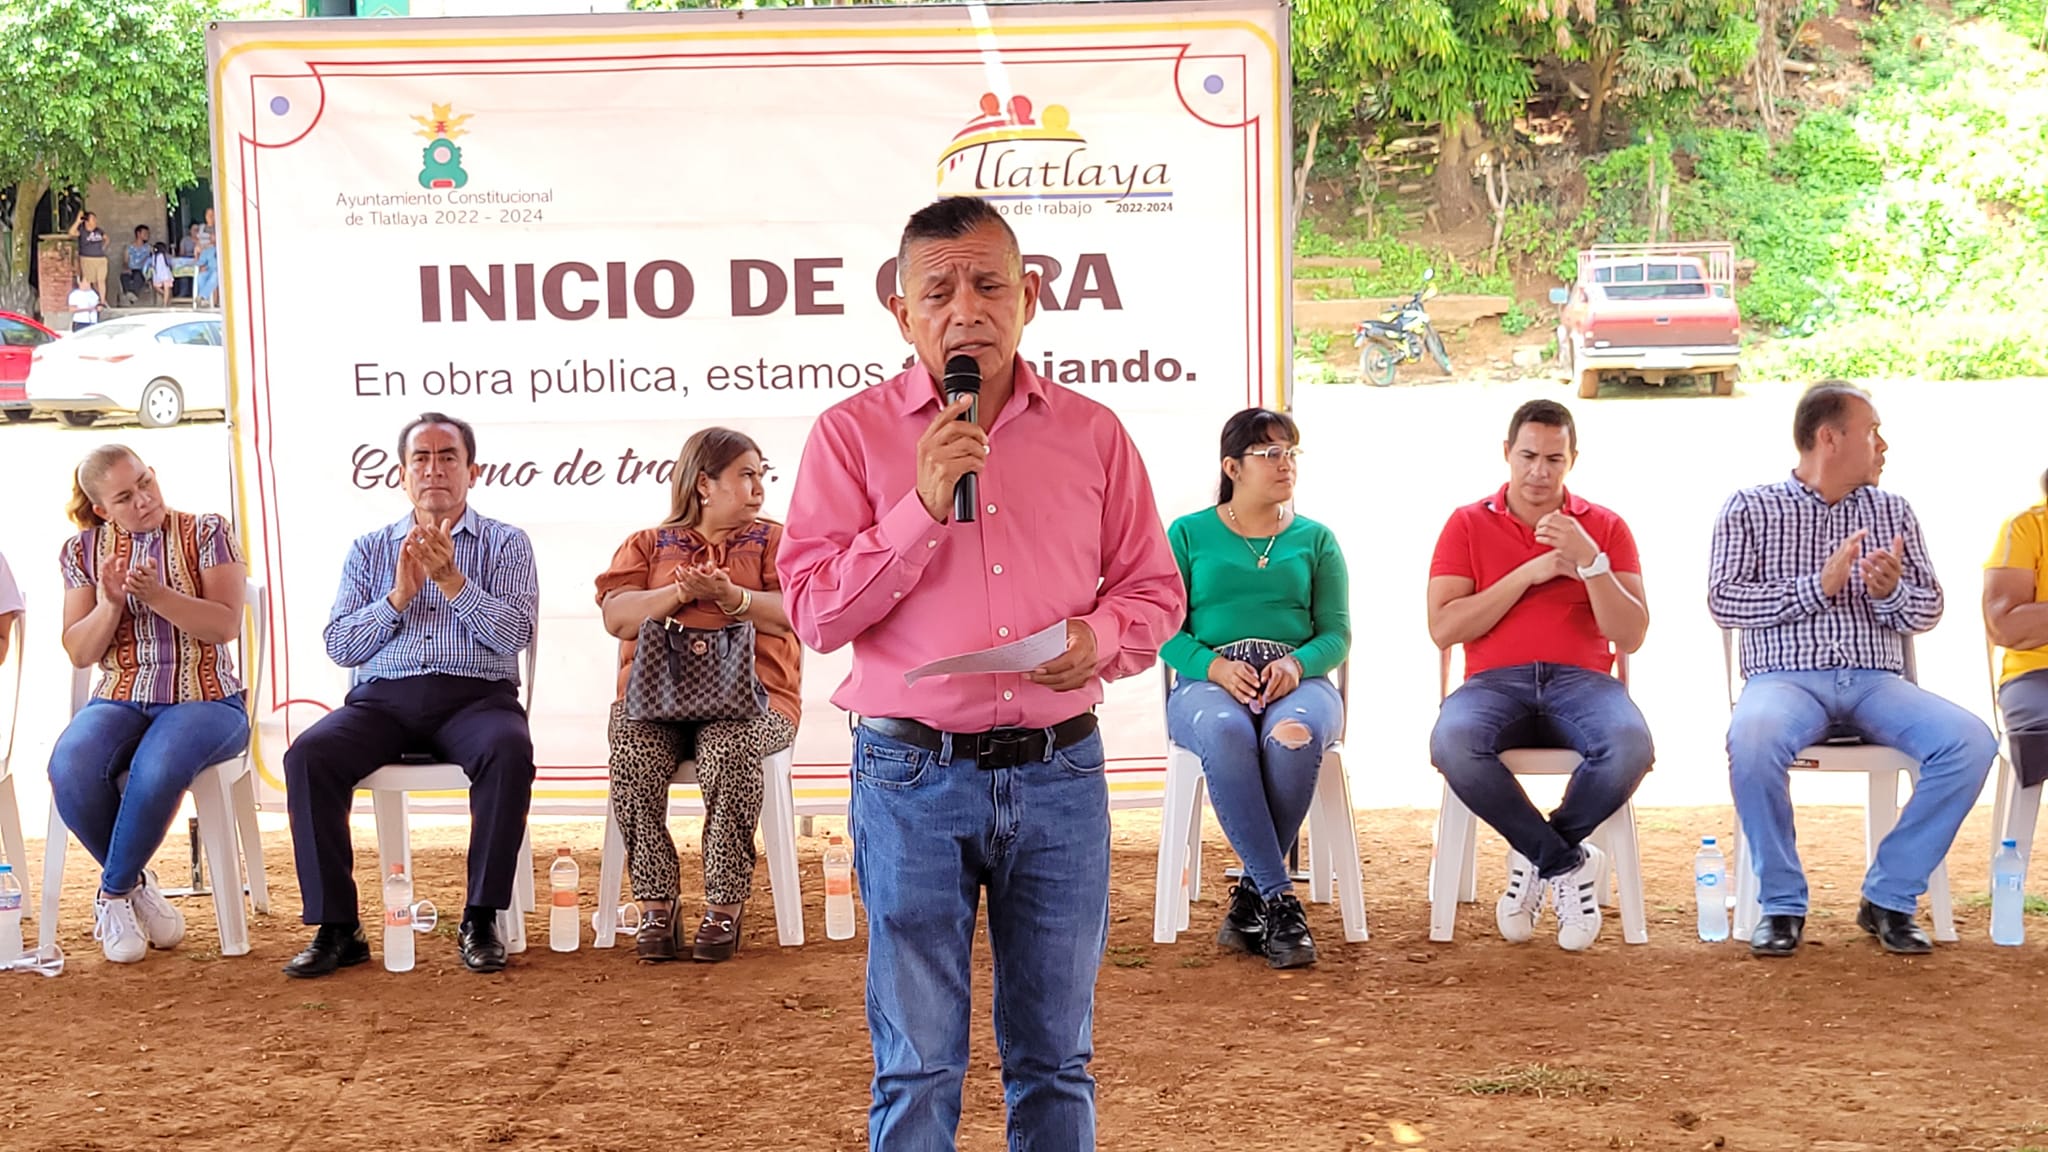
(432, 615)
(1826, 575)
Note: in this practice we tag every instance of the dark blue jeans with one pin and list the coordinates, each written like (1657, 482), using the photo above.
(929, 834)
(161, 748)
(1542, 706)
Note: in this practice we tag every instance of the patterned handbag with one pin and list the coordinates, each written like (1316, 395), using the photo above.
(690, 675)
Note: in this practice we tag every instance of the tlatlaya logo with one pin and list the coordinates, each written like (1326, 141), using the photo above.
(1014, 152)
(441, 160)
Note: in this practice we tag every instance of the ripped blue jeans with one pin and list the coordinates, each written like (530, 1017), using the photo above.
(1261, 769)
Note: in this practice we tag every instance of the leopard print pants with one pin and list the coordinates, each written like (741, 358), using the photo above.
(644, 756)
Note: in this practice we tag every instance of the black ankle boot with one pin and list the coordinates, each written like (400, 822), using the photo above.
(1244, 926)
(1287, 940)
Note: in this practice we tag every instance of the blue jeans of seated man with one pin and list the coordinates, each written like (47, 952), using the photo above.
(1780, 713)
(1542, 706)
(929, 834)
(1260, 785)
(161, 747)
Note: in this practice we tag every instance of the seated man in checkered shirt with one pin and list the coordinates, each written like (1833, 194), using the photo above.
(1826, 575)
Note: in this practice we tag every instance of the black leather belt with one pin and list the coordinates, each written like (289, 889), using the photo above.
(999, 748)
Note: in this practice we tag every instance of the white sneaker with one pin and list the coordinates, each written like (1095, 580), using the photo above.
(1577, 898)
(1518, 909)
(115, 928)
(162, 923)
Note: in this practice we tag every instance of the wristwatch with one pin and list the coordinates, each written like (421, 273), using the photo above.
(1599, 567)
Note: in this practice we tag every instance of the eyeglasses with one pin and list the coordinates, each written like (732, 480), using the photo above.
(1275, 452)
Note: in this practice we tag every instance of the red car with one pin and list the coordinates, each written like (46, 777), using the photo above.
(1648, 313)
(19, 339)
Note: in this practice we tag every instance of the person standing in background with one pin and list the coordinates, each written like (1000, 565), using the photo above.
(92, 252)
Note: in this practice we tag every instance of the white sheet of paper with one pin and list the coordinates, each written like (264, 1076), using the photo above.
(1016, 656)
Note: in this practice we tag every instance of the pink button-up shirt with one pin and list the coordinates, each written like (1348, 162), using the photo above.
(1067, 529)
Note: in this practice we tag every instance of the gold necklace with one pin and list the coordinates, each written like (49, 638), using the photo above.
(1263, 557)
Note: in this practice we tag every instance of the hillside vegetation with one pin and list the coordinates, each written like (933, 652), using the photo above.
(1891, 211)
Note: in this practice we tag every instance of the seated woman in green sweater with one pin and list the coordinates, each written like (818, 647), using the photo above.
(1269, 616)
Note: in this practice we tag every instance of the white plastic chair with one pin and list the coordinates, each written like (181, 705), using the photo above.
(1457, 837)
(388, 788)
(1880, 813)
(778, 833)
(2015, 810)
(10, 809)
(1332, 837)
(223, 797)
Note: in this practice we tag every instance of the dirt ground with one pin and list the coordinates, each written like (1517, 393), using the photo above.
(1396, 1042)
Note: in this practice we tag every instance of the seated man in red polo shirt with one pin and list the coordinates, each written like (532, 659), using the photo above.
(1541, 587)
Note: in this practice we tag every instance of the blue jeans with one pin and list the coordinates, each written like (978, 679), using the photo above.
(1542, 706)
(1261, 787)
(1781, 712)
(929, 833)
(160, 747)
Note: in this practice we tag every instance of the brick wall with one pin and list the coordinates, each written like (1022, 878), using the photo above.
(56, 265)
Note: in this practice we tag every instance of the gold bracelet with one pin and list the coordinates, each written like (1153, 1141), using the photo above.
(746, 602)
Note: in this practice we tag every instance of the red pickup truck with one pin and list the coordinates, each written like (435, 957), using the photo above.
(1649, 313)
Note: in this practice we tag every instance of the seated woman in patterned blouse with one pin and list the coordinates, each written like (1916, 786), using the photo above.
(711, 563)
(152, 596)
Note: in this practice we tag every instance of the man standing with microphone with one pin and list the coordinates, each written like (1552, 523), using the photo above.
(992, 781)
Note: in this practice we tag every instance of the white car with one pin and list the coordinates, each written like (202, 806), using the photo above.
(161, 366)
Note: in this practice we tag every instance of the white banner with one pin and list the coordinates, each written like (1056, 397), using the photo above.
(591, 236)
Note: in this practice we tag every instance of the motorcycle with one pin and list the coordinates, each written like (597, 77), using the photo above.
(1401, 335)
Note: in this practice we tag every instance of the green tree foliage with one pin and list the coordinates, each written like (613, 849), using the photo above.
(1663, 53)
(1461, 65)
(109, 89)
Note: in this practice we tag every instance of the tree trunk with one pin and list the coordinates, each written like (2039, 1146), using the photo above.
(28, 195)
(1308, 165)
(1603, 68)
(1454, 173)
(22, 239)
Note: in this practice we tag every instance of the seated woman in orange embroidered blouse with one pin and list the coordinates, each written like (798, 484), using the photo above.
(712, 562)
(152, 596)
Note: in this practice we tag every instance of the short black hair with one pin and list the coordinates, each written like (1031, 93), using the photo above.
(426, 418)
(1246, 431)
(949, 218)
(1549, 413)
(1825, 404)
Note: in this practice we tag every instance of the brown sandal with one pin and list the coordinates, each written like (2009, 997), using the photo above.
(718, 937)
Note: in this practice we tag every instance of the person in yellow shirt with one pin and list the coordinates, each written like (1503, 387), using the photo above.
(2016, 619)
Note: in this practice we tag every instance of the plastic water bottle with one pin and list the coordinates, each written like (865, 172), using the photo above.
(2008, 894)
(1710, 887)
(398, 931)
(564, 931)
(10, 915)
(838, 889)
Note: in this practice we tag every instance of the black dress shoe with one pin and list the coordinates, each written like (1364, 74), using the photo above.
(1777, 936)
(1895, 931)
(334, 946)
(1244, 926)
(1288, 944)
(482, 951)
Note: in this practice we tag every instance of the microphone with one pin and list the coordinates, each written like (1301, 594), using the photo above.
(963, 378)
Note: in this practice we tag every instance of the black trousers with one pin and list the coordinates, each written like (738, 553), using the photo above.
(458, 720)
